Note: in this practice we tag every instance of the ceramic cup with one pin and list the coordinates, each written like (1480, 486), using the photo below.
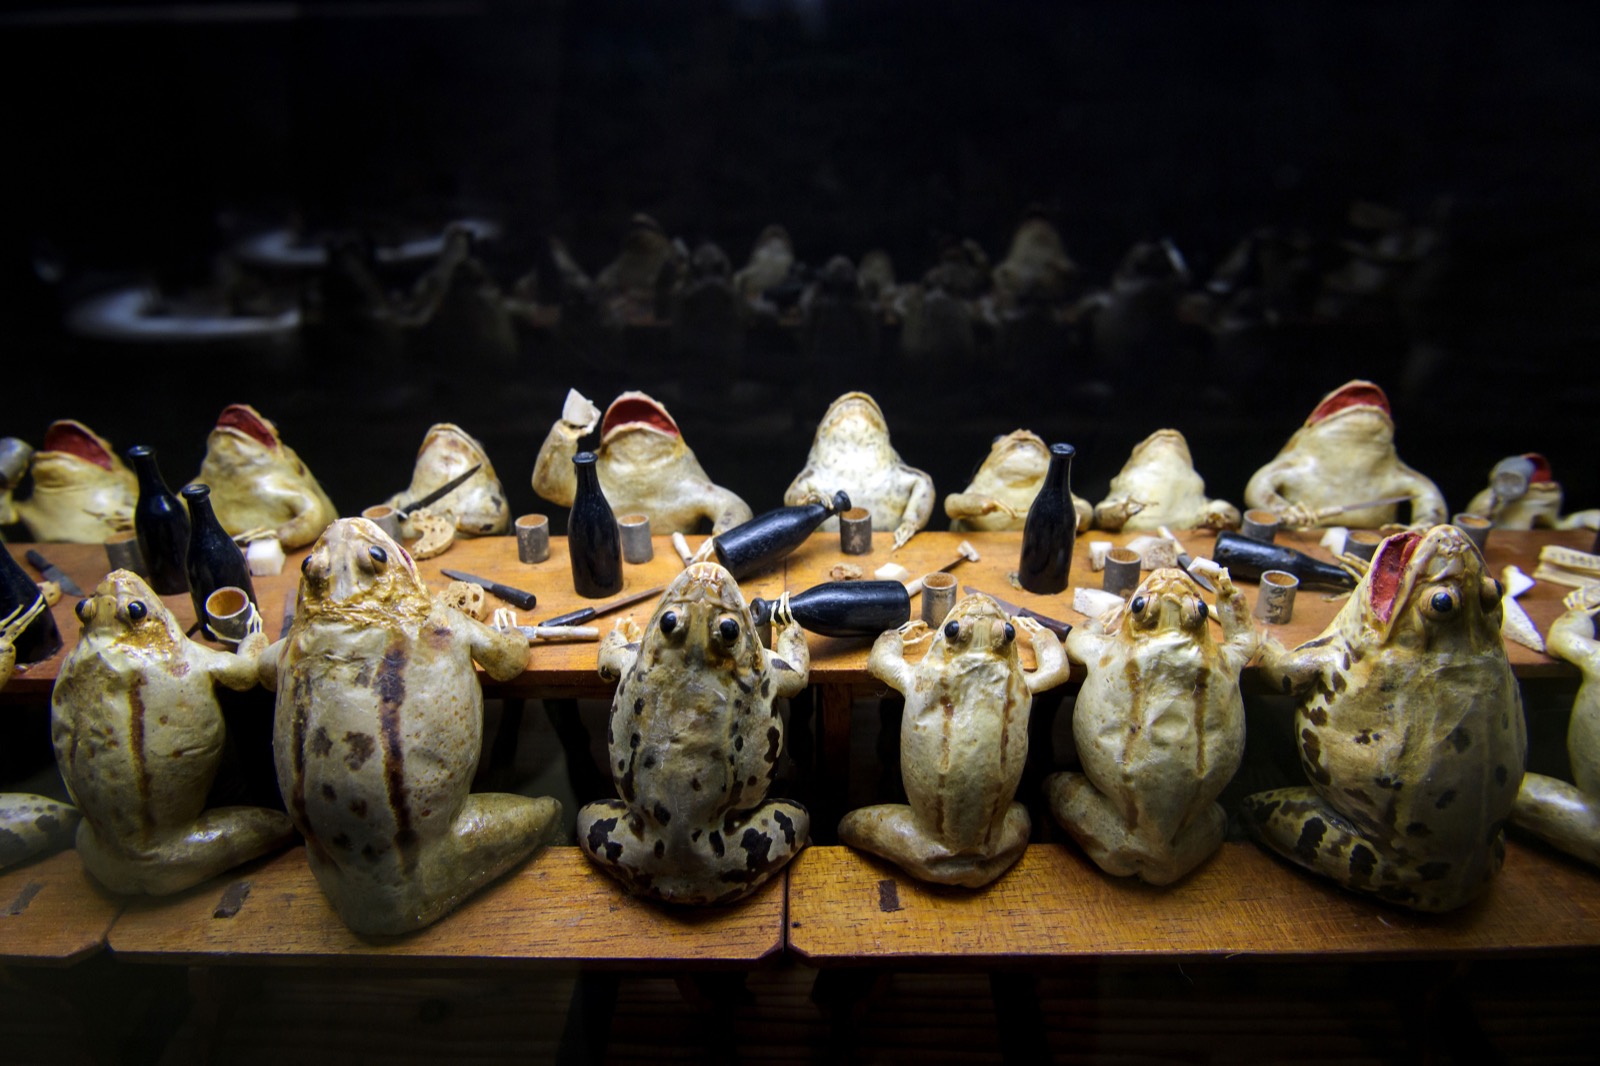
(385, 518)
(855, 531)
(635, 530)
(1275, 605)
(1260, 524)
(938, 596)
(14, 458)
(1476, 527)
(1121, 574)
(122, 552)
(1363, 543)
(230, 612)
(533, 538)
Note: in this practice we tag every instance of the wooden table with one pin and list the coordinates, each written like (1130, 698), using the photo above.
(52, 913)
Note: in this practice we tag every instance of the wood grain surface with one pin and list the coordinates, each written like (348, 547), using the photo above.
(556, 908)
(52, 913)
(846, 908)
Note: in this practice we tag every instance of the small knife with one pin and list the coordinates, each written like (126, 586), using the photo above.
(441, 492)
(582, 615)
(516, 596)
(52, 572)
(1187, 562)
(1054, 625)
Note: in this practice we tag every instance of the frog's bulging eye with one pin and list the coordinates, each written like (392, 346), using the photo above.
(1201, 609)
(669, 622)
(82, 610)
(1491, 593)
(305, 565)
(729, 630)
(1011, 632)
(952, 630)
(137, 611)
(1442, 602)
(1138, 604)
(379, 556)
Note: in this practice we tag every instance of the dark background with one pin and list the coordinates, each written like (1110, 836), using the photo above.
(142, 141)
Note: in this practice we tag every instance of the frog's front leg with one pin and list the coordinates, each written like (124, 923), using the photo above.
(1220, 514)
(1050, 658)
(241, 668)
(554, 477)
(1427, 503)
(1571, 637)
(620, 648)
(1085, 645)
(918, 509)
(965, 506)
(789, 661)
(1292, 670)
(307, 519)
(11, 629)
(503, 653)
(1113, 513)
(725, 509)
(1085, 512)
(887, 660)
(1240, 639)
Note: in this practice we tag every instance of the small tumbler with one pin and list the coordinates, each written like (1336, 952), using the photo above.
(122, 552)
(533, 538)
(636, 546)
(1121, 574)
(938, 596)
(855, 531)
(230, 612)
(1260, 524)
(1362, 543)
(1275, 605)
(385, 518)
(1476, 527)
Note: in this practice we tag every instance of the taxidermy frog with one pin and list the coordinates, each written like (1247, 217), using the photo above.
(1344, 454)
(1410, 727)
(82, 492)
(1004, 487)
(377, 735)
(1568, 815)
(694, 743)
(1158, 486)
(643, 463)
(1159, 725)
(258, 482)
(478, 506)
(1529, 499)
(1036, 267)
(851, 451)
(139, 736)
(963, 743)
(771, 259)
(30, 825)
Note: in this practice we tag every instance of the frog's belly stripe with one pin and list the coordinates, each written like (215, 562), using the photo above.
(391, 688)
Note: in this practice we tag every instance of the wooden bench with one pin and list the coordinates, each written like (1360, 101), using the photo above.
(52, 913)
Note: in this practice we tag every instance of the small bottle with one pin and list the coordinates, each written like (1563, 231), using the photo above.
(161, 525)
(215, 561)
(41, 639)
(1249, 559)
(844, 608)
(593, 539)
(1051, 529)
(767, 538)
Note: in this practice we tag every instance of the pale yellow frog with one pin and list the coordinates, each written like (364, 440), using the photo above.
(258, 482)
(1158, 486)
(478, 505)
(1004, 487)
(82, 491)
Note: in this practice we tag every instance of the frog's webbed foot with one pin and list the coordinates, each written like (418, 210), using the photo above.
(1220, 514)
(1585, 598)
(903, 533)
(620, 648)
(1121, 850)
(892, 831)
(1113, 514)
(1560, 814)
(219, 840)
(12, 626)
(33, 825)
(1353, 565)
(914, 632)
(1301, 826)
(1298, 516)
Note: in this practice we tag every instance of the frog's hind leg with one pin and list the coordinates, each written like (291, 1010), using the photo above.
(33, 825)
(1299, 825)
(493, 832)
(1561, 814)
(1093, 821)
(218, 841)
(892, 831)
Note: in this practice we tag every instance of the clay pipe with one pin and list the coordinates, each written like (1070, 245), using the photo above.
(967, 554)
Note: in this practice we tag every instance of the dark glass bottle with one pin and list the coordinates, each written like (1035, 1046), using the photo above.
(593, 540)
(844, 608)
(161, 525)
(1051, 529)
(1249, 559)
(41, 639)
(767, 538)
(215, 561)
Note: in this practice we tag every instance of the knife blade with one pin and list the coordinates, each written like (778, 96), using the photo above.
(1186, 561)
(519, 597)
(1346, 508)
(52, 572)
(583, 614)
(1054, 625)
(441, 492)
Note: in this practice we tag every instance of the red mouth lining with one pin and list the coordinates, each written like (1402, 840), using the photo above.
(1355, 394)
(1541, 468)
(76, 440)
(238, 416)
(1393, 555)
(632, 410)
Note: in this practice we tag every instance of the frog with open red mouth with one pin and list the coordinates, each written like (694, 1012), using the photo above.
(1345, 454)
(258, 482)
(644, 466)
(82, 492)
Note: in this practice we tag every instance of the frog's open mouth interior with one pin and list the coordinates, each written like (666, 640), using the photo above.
(75, 439)
(1355, 394)
(1388, 569)
(637, 410)
(1541, 467)
(240, 417)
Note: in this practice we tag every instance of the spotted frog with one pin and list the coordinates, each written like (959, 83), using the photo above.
(963, 743)
(851, 451)
(1158, 486)
(478, 506)
(694, 743)
(1344, 454)
(30, 825)
(1004, 487)
(258, 482)
(1159, 726)
(377, 735)
(82, 492)
(139, 736)
(1410, 727)
(643, 463)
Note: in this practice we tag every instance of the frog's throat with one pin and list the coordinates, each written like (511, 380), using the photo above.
(706, 583)
(1174, 438)
(244, 419)
(449, 431)
(70, 437)
(1351, 394)
(833, 412)
(366, 612)
(633, 410)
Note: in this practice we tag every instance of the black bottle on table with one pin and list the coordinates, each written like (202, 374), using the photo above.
(765, 539)
(214, 561)
(41, 639)
(1051, 529)
(843, 608)
(593, 540)
(161, 525)
(1249, 559)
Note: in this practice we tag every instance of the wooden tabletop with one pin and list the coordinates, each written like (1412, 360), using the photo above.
(52, 913)
(846, 908)
(556, 907)
(570, 668)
